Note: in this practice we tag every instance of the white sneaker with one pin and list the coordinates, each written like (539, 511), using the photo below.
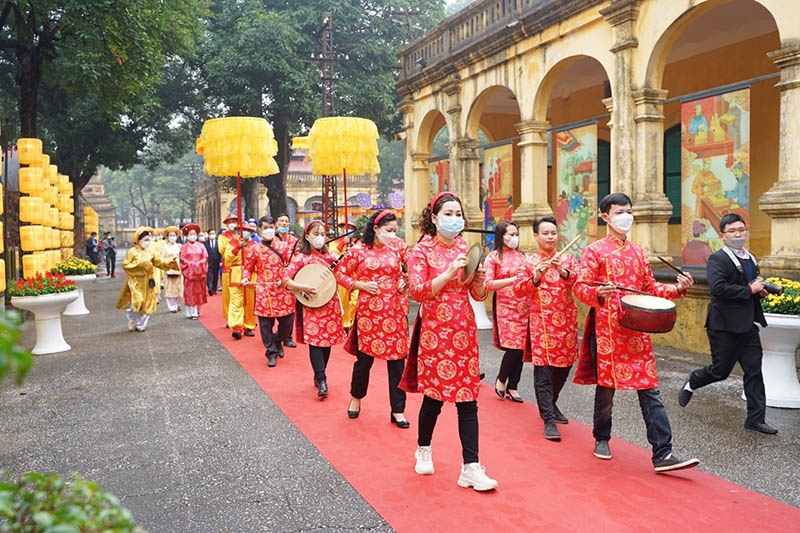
(424, 459)
(474, 475)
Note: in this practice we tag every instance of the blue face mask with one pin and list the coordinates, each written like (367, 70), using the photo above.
(283, 230)
(451, 227)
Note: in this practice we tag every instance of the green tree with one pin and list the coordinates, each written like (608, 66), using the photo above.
(391, 158)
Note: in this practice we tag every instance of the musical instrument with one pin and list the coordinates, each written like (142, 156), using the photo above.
(647, 313)
(673, 267)
(474, 256)
(319, 277)
(569, 245)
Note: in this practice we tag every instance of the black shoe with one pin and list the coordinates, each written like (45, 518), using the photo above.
(289, 343)
(482, 375)
(673, 462)
(271, 360)
(560, 417)
(249, 333)
(684, 395)
(323, 388)
(402, 424)
(551, 431)
(517, 398)
(763, 427)
(353, 414)
(236, 334)
(500, 393)
(280, 351)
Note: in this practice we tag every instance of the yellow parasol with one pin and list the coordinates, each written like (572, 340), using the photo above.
(339, 144)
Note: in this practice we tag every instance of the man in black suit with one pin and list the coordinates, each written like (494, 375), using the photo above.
(734, 309)
(214, 259)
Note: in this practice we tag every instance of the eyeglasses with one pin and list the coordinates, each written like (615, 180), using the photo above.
(735, 231)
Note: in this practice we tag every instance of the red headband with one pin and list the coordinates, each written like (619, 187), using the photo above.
(308, 226)
(380, 217)
(436, 198)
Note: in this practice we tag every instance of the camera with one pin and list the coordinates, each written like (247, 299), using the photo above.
(771, 288)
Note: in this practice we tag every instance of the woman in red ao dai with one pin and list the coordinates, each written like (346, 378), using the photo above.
(446, 336)
(321, 326)
(553, 322)
(504, 266)
(381, 325)
(194, 266)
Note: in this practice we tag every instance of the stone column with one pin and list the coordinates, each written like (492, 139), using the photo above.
(533, 178)
(467, 178)
(651, 207)
(417, 192)
(782, 201)
(621, 15)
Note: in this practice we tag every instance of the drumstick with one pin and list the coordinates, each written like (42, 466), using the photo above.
(569, 245)
(620, 288)
(673, 267)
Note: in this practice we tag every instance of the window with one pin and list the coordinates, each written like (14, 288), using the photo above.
(672, 171)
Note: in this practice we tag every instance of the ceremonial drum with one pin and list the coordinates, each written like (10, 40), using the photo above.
(650, 314)
(321, 278)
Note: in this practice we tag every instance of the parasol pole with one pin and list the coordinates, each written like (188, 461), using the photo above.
(239, 209)
(344, 180)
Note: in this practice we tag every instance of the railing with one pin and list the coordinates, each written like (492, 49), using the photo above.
(316, 179)
(481, 23)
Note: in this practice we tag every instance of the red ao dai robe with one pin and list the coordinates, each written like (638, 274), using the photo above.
(447, 367)
(268, 262)
(194, 266)
(381, 319)
(625, 357)
(553, 324)
(322, 326)
(510, 313)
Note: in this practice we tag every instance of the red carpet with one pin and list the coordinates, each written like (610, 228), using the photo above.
(542, 485)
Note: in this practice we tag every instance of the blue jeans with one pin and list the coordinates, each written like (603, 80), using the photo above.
(659, 433)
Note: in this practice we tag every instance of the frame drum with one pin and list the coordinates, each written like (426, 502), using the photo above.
(320, 277)
(649, 314)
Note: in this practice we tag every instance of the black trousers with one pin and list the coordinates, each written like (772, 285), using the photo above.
(360, 380)
(467, 426)
(319, 356)
(726, 350)
(511, 369)
(111, 262)
(270, 339)
(291, 328)
(547, 383)
(212, 279)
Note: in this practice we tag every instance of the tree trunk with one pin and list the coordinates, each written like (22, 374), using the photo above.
(28, 78)
(276, 184)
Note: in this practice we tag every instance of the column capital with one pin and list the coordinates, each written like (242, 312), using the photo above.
(420, 157)
(649, 103)
(467, 148)
(788, 61)
(621, 15)
(532, 132)
(782, 200)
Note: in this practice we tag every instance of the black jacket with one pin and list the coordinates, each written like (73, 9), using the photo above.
(732, 307)
(214, 257)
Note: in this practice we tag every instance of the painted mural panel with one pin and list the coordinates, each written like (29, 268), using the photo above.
(576, 174)
(497, 174)
(440, 176)
(715, 170)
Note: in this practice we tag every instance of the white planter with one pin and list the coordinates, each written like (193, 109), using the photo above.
(779, 341)
(47, 311)
(78, 307)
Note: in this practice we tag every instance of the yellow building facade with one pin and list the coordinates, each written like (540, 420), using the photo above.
(531, 73)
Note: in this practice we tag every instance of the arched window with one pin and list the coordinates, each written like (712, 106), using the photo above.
(672, 171)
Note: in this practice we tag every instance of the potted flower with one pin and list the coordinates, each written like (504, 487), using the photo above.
(46, 297)
(81, 272)
(779, 341)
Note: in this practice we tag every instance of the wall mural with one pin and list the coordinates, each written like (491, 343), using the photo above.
(715, 170)
(497, 181)
(440, 176)
(576, 178)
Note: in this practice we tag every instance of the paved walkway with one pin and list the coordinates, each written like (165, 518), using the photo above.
(168, 421)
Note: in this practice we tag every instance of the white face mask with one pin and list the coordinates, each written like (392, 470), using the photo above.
(386, 237)
(232, 226)
(145, 243)
(246, 235)
(511, 242)
(318, 241)
(268, 234)
(622, 222)
(172, 239)
(191, 238)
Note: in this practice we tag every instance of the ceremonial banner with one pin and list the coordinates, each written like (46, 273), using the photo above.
(715, 170)
(576, 178)
(496, 187)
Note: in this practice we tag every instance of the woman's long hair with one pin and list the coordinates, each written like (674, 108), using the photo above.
(368, 235)
(305, 245)
(426, 225)
(499, 233)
